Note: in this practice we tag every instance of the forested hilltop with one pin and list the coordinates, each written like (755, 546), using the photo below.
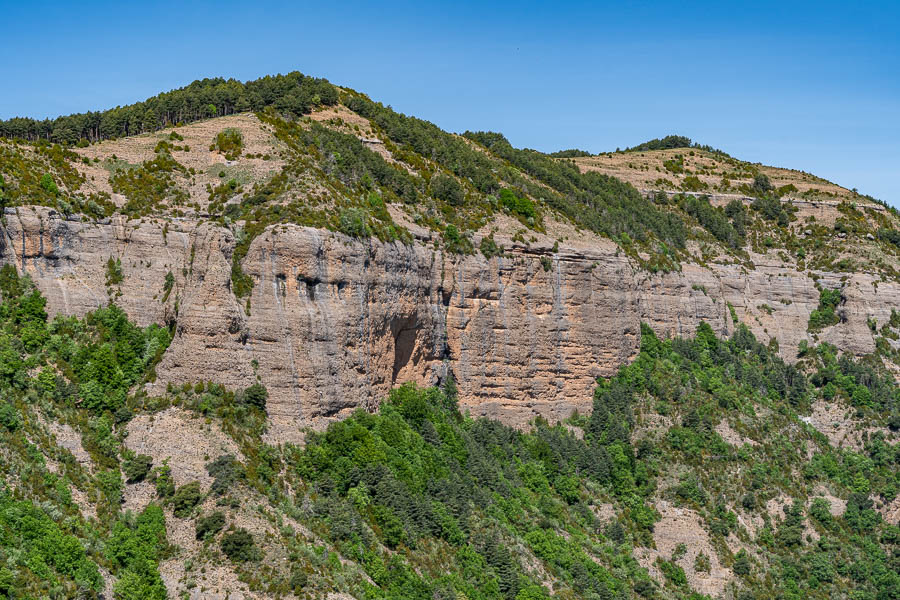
(293, 94)
(293, 148)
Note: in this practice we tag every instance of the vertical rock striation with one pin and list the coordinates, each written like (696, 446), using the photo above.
(334, 323)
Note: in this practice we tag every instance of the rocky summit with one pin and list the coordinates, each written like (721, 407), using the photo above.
(272, 338)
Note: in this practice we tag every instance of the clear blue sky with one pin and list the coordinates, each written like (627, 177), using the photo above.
(813, 86)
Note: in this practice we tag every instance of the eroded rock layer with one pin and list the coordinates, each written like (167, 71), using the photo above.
(333, 323)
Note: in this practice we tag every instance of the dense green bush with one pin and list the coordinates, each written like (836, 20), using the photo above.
(137, 468)
(238, 545)
(455, 242)
(186, 498)
(692, 183)
(49, 185)
(446, 188)
(113, 271)
(771, 208)
(761, 184)
(230, 142)
(518, 205)
(489, 247)
(209, 525)
(161, 478)
(225, 471)
(825, 315)
(9, 418)
(255, 395)
(354, 222)
(891, 236)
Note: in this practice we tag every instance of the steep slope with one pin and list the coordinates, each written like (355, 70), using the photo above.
(695, 476)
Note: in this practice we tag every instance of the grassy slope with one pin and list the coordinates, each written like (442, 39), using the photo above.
(359, 167)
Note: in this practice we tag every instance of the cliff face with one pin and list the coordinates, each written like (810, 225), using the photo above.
(334, 323)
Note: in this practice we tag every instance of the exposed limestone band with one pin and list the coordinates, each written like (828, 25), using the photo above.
(334, 322)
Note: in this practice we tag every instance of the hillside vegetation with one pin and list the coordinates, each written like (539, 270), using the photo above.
(707, 468)
(421, 501)
(314, 154)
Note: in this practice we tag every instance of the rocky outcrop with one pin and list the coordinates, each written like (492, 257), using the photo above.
(332, 323)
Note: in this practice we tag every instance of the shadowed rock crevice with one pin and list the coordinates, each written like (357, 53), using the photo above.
(404, 332)
(308, 286)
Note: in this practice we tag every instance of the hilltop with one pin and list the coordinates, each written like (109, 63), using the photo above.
(330, 157)
(272, 338)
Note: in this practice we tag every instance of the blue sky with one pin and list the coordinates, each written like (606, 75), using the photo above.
(812, 86)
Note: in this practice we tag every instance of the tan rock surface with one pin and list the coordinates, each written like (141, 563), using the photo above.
(334, 323)
(183, 438)
(684, 526)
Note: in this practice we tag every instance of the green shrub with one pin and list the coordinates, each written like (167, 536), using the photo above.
(353, 222)
(137, 468)
(761, 184)
(820, 510)
(674, 165)
(672, 572)
(455, 242)
(825, 315)
(702, 563)
(239, 546)
(49, 185)
(446, 188)
(225, 471)
(742, 566)
(229, 142)
(255, 395)
(518, 205)
(692, 183)
(9, 417)
(168, 284)
(113, 272)
(892, 236)
(489, 247)
(161, 478)
(208, 526)
(186, 498)
(771, 209)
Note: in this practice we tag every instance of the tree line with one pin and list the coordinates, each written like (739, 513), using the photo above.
(293, 94)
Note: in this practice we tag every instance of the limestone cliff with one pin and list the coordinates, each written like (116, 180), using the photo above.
(333, 323)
